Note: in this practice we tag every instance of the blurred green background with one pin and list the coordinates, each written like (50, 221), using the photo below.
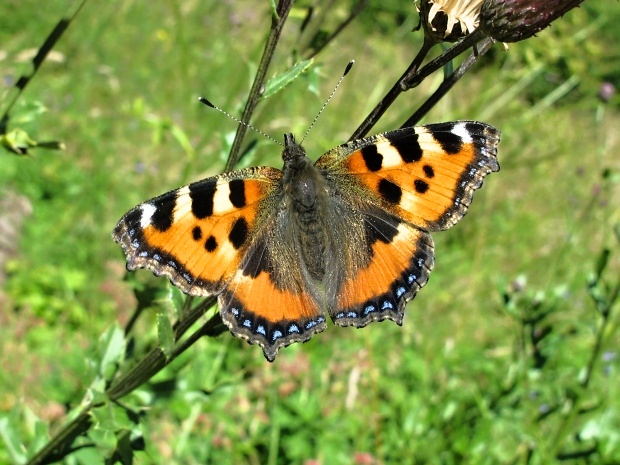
(489, 365)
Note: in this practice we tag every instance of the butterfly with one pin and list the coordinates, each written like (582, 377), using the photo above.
(348, 236)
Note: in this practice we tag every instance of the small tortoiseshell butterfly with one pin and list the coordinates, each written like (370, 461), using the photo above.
(348, 235)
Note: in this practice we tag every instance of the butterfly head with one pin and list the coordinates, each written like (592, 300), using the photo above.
(293, 153)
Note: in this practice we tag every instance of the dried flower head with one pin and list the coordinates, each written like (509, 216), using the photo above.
(449, 20)
(515, 20)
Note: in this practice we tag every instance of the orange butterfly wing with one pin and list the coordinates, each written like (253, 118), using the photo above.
(219, 236)
(198, 234)
(229, 235)
(420, 179)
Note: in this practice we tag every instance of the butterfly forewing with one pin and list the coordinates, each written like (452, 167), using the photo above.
(197, 235)
(425, 175)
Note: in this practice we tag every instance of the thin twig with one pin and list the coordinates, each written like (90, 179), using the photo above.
(392, 94)
(38, 60)
(414, 75)
(449, 82)
(356, 10)
(602, 335)
(283, 9)
(60, 444)
(468, 41)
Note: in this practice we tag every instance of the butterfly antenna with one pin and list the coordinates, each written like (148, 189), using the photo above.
(346, 71)
(209, 104)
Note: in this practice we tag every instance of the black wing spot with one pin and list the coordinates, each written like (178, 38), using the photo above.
(238, 233)
(257, 260)
(450, 142)
(211, 244)
(197, 233)
(202, 193)
(163, 215)
(420, 186)
(428, 171)
(390, 192)
(372, 158)
(381, 228)
(408, 148)
(237, 193)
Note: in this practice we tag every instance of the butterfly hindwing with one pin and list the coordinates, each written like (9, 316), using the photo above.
(270, 301)
(198, 234)
(398, 259)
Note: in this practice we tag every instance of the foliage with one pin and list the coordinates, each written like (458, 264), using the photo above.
(509, 355)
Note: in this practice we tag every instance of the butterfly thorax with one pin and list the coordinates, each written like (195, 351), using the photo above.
(305, 197)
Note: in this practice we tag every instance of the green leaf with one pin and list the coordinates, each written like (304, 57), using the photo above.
(88, 456)
(104, 439)
(10, 438)
(124, 451)
(601, 262)
(181, 137)
(165, 332)
(112, 348)
(274, 9)
(177, 298)
(19, 142)
(279, 82)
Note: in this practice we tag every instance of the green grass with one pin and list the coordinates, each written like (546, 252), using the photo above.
(489, 364)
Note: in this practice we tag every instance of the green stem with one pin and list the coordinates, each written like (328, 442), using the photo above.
(414, 75)
(38, 60)
(356, 10)
(277, 24)
(392, 94)
(416, 78)
(60, 445)
(604, 332)
(449, 82)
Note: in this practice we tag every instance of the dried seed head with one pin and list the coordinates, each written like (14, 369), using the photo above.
(515, 20)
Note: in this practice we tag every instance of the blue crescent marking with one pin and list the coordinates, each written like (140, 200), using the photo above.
(369, 309)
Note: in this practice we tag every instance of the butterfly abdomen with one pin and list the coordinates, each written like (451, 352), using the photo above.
(307, 205)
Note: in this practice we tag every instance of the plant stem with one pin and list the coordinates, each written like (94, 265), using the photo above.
(449, 82)
(60, 445)
(414, 75)
(356, 10)
(392, 94)
(38, 60)
(277, 24)
(415, 79)
(602, 334)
